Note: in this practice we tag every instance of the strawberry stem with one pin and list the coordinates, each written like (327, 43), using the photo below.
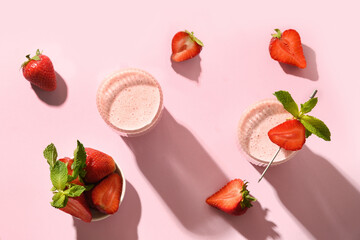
(272, 160)
(277, 34)
(193, 38)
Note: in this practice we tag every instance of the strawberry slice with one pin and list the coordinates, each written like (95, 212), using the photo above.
(286, 48)
(289, 135)
(106, 195)
(233, 198)
(185, 46)
(77, 207)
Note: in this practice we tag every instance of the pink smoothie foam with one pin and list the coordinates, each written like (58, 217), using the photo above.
(130, 101)
(253, 129)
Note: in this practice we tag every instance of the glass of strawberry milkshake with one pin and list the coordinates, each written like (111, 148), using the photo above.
(130, 102)
(253, 128)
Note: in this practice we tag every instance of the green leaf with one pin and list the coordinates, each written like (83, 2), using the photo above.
(316, 126)
(59, 200)
(89, 187)
(307, 133)
(74, 191)
(195, 39)
(309, 105)
(79, 162)
(246, 197)
(58, 175)
(288, 102)
(50, 154)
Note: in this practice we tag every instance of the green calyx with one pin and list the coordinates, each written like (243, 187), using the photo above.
(312, 125)
(193, 38)
(61, 180)
(36, 58)
(277, 34)
(246, 197)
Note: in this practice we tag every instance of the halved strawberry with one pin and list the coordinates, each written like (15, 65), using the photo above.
(106, 195)
(77, 207)
(98, 165)
(286, 48)
(233, 198)
(289, 135)
(185, 46)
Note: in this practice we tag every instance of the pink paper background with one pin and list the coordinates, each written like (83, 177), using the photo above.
(193, 151)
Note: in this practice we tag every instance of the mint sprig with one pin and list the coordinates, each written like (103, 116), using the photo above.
(288, 102)
(316, 126)
(50, 154)
(61, 180)
(312, 125)
(79, 164)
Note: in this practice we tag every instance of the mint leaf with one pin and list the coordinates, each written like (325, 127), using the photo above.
(50, 154)
(89, 187)
(307, 133)
(316, 127)
(74, 191)
(288, 102)
(58, 175)
(59, 200)
(309, 105)
(79, 162)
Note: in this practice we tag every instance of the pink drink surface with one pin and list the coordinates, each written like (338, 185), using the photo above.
(135, 106)
(254, 128)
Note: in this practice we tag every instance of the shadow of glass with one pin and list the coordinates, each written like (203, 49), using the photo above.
(318, 195)
(310, 72)
(190, 69)
(184, 175)
(56, 97)
(122, 225)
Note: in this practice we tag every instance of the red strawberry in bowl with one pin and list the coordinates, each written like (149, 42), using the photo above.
(98, 165)
(233, 198)
(185, 46)
(286, 48)
(39, 71)
(106, 195)
(78, 207)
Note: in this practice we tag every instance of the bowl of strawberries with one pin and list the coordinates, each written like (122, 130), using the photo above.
(90, 186)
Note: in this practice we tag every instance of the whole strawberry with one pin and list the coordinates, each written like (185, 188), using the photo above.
(98, 165)
(39, 70)
(286, 48)
(184, 46)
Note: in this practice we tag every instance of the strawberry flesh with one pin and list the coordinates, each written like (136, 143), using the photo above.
(184, 47)
(98, 165)
(233, 198)
(106, 195)
(287, 48)
(77, 207)
(289, 135)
